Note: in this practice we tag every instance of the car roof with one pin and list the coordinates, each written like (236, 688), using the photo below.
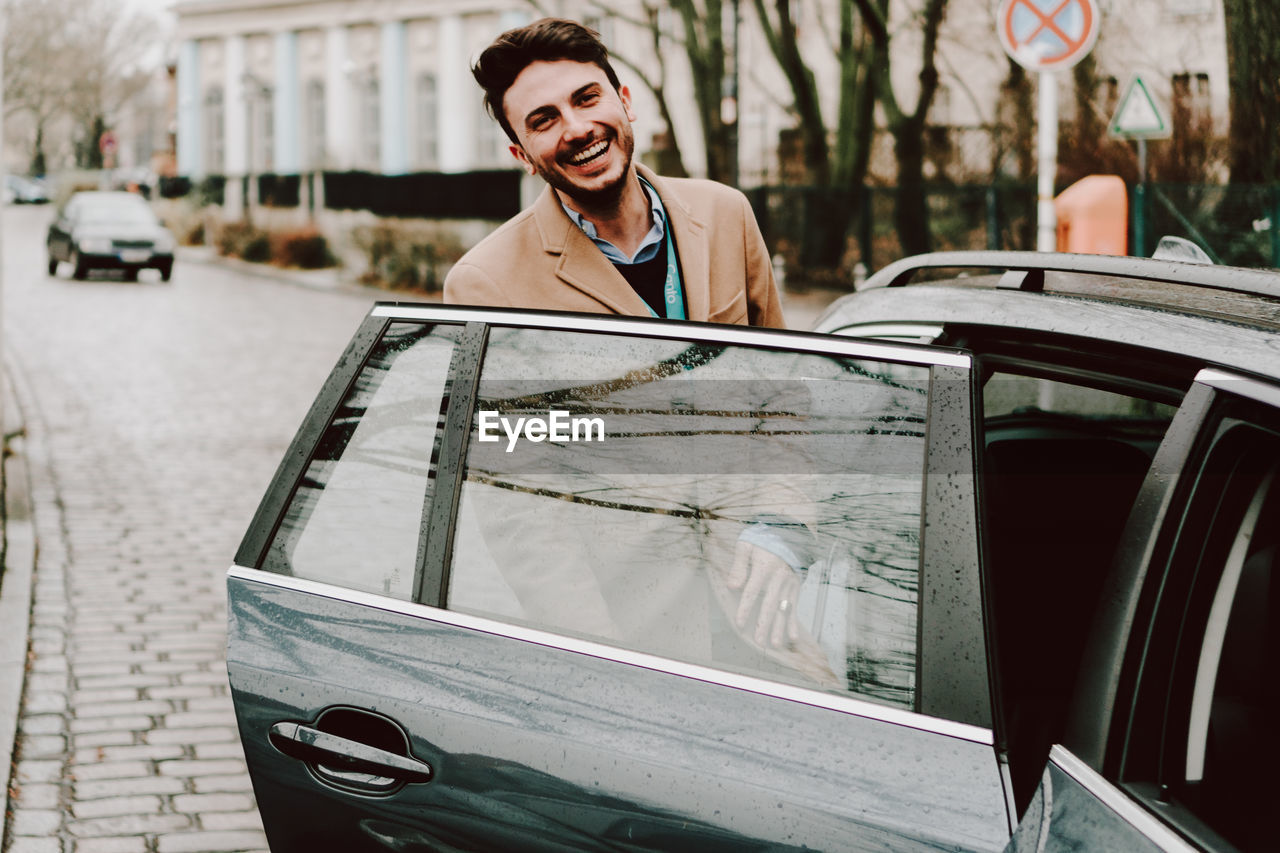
(106, 197)
(1225, 315)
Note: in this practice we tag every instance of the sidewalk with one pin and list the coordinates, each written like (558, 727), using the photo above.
(801, 309)
(19, 551)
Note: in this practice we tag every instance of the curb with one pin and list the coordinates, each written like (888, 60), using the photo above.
(16, 578)
(328, 279)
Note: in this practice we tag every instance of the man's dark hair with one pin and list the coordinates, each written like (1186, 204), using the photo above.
(546, 40)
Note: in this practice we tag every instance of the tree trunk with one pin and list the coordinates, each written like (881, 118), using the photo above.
(1253, 63)
(39, 164)
(911, 212)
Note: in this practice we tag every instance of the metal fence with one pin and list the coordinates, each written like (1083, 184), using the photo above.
(1236, 224)
(491, 195)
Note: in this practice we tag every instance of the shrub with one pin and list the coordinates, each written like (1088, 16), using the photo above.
(407, 256)
(243, 240)
(192, 235)
(257, 248)
(300, 247)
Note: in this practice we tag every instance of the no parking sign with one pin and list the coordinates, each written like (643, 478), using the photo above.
(1047, 35)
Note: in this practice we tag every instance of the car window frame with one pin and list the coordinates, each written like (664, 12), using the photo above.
(953, 678)
(1126, 673)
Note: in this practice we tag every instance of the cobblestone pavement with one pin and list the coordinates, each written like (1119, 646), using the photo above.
(155, 415)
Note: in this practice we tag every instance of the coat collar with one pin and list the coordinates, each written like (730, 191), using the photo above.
(584, 267)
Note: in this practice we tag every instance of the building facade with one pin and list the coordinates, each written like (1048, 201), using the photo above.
(292, 86)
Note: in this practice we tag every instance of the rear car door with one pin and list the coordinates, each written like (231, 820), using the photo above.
(1173, 744)
(545, 582)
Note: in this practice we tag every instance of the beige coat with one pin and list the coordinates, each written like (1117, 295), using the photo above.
(541, 259)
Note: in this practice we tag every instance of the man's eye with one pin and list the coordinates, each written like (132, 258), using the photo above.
(541, 123)
(587, 100)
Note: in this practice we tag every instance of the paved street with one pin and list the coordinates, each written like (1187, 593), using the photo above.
(156, 415)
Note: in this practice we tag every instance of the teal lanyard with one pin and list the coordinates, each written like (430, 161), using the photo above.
(672, 288)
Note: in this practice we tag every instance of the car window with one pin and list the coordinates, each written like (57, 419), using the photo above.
(1205, 741)
(1063, 463)
(622, 490)
(1008, 393)
(356, 516)
(104, 213)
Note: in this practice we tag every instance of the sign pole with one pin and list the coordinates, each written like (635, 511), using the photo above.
(1140, 202)
(1047, 162)
(1139, 117)
(1047, 36)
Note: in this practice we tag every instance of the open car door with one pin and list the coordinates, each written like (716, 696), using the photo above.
(564, 582)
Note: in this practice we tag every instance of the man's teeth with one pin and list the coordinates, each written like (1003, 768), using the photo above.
(587, 154)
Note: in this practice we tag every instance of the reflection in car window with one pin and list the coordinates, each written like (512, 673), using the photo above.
(1009, 394)
(694, 468)
(355, 518)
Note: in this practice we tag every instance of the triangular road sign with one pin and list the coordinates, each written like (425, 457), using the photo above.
(1138, 115)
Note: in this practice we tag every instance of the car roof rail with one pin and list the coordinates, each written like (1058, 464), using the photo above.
(1025, 270)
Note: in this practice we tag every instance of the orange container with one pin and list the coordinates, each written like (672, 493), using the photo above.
(1093, 216)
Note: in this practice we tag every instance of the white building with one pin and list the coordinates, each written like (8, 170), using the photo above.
(292, 86)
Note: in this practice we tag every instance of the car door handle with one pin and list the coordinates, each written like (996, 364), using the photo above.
(344, 755)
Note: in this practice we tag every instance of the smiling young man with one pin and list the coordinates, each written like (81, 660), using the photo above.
(606, 235)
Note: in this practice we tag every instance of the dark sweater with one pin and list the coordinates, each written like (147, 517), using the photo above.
(648, 278)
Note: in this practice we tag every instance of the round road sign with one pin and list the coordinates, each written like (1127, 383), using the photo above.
(1047, 35)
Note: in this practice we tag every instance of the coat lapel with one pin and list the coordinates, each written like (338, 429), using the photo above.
(582, 265)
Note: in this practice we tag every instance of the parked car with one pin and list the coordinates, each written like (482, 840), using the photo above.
(20, 190)
(987, 563)
(109, 231)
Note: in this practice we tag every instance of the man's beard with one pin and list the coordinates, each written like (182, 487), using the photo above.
(602, 198)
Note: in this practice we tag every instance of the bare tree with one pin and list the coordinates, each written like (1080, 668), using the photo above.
(703, 25)
(911, 215)
(105, 70)
(865, 79)
(835, 168)
(73, 58)
(1253, 60)
(36, 49)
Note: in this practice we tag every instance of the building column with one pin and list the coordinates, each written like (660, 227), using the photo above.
(190, 111)
(459, 97)
(393, 108)
(236, 123)
(285, 104)
(339, 123)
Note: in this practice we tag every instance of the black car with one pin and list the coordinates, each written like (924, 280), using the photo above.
(571, 582)
(109, 231)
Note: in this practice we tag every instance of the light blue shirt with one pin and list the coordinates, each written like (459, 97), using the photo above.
(649, 246)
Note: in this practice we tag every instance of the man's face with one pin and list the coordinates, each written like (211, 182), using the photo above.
(574, 128)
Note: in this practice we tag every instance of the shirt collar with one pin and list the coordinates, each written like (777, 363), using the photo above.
(648, 246)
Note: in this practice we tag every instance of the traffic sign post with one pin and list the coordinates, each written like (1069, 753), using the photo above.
(1047, 36)
(1139, 117)
(1137, 114)
(107, 147)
